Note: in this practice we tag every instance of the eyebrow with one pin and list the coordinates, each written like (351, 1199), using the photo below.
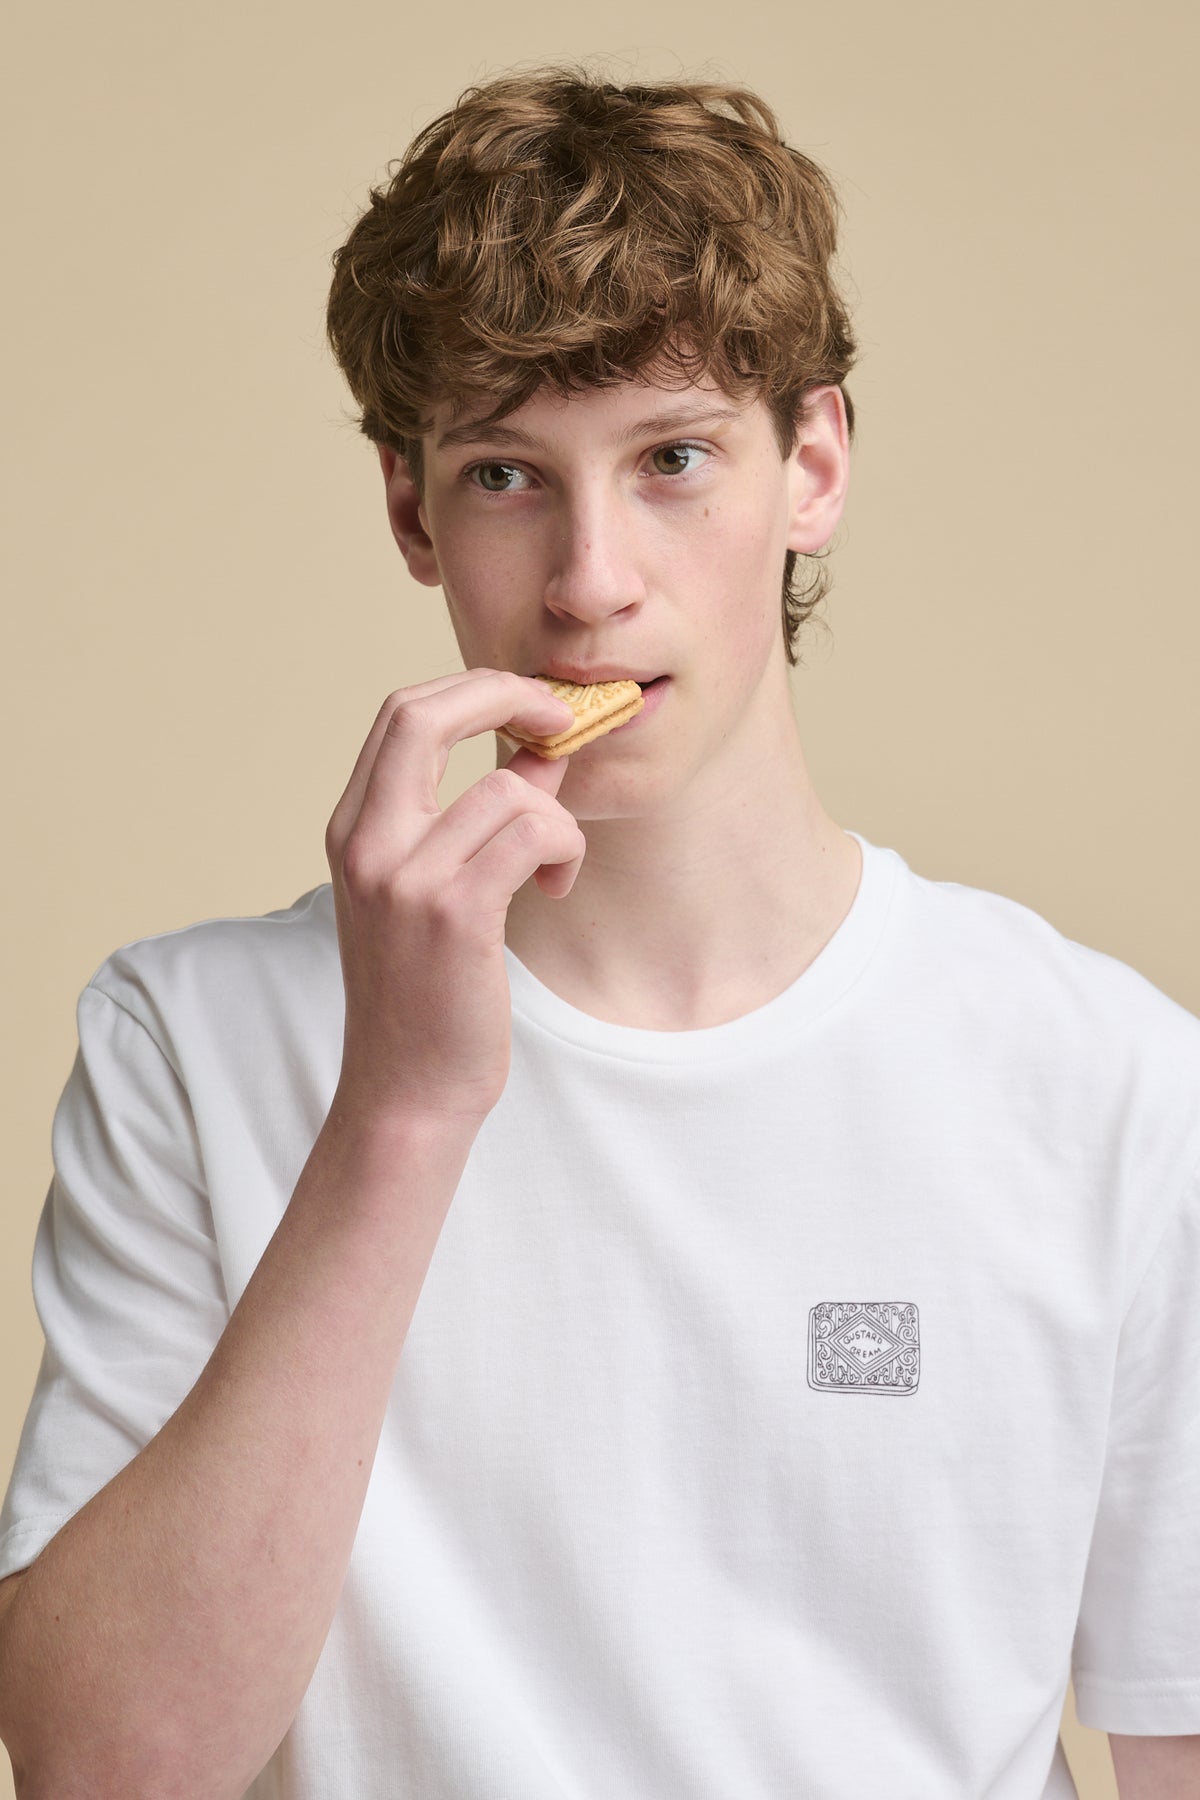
(474, 432)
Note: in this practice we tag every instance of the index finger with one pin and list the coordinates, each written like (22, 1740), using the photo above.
(416, 736)
(346, 810)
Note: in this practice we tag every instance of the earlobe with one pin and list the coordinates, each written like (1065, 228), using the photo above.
(408, 519)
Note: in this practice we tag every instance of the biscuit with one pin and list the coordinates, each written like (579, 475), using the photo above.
(598, 708)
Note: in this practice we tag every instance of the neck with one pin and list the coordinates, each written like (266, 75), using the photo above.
(698, 912)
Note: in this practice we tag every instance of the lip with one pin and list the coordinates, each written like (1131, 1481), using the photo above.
(575, 672)
(655, 696)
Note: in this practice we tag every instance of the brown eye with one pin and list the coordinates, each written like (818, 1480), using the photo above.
(486, 470)
(675, 455)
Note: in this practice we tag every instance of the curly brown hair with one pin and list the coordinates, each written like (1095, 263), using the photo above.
(553, 227)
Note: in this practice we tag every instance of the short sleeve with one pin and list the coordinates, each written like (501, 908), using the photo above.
(1136, 1656)
(126, 1277)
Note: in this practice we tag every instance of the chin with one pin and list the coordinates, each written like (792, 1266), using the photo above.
(603, 791)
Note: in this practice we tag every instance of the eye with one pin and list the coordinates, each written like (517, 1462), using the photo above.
(488, 470)
(673, 450)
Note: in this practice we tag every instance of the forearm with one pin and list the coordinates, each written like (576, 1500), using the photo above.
(163, 1640)
(1155, 1768)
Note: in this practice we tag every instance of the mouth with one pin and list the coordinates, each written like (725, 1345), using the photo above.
(593, 677)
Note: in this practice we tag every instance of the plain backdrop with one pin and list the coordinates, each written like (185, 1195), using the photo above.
(204, 606)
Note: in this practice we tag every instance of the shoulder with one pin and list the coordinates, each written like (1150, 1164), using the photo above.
(1017, 963)
(234, 969)
(1051, 1026)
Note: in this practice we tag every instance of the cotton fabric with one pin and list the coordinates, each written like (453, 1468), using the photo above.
(792, 1405)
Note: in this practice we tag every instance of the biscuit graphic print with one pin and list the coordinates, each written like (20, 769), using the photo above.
(864, 1347)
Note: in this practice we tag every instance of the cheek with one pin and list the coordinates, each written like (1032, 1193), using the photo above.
(744, 532)
(473, 546)
(483, 581)
(742, 566)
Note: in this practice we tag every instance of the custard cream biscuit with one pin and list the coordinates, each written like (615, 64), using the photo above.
(598, 708)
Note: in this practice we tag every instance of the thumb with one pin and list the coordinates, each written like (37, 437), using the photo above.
(545, 772)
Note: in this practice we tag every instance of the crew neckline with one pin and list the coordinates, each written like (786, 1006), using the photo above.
(832, 972)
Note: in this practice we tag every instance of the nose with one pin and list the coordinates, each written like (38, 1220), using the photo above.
(593, 569)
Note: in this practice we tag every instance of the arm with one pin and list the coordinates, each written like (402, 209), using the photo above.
(163, 1640)
(1156, 1768)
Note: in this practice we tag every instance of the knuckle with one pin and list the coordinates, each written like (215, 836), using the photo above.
(394, 700)
(502, 784)
(406, 719)
(440, 906)
(354, 860)
(529, 828)
(361, 868)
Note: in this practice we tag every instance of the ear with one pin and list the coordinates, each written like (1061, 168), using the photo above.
(408, 519)
(819, 471)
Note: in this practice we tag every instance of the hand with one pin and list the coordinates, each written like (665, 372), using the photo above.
(421, 896)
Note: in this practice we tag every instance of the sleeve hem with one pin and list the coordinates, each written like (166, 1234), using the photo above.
(24, 1543)
(1168, 1707)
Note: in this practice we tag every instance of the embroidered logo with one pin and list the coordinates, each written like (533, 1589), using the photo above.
(864, 1347)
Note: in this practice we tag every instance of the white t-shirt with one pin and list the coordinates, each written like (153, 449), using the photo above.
(791, 1405)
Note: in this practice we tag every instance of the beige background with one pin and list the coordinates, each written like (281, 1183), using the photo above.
(206, 608)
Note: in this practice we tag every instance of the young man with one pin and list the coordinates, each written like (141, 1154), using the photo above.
(627, 1289)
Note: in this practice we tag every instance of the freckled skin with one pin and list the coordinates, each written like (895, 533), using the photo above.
(704, 835)
(593, 552)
